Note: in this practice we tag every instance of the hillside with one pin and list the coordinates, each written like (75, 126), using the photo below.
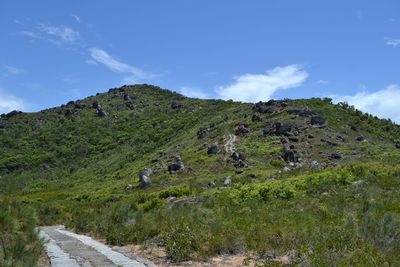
(305, 179)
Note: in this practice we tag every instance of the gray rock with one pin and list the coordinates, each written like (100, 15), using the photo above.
(176, 165)
(240, 164)
(282, 128)
(101, 112)
(211, 184)
(130, 106)
(242, 129)
(96, 104)
(335, 155)
(176, 105)
(3, 124)
(289, 155)
(360, 138)
(256, 118)
(266, 107)
(128, 188)
(238, 156)
(213, 149)
(303, 112)
(144, 177)
(201, 133)
(315, 165)
(318, 121)
(126, 97)
(227, 181)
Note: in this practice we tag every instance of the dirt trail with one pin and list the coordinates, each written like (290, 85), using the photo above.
(230, 144)
(67, 249)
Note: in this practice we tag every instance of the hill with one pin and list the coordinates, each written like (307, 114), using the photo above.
(305, 179)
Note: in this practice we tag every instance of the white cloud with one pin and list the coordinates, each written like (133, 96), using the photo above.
(77, 18)
(133, 74)
(9, 102)
(193, 92)
(383, 103)
(392, 42)
(63, 35)
(256, 87)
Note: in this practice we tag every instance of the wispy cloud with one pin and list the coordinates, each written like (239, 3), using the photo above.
(9, 102)
(383, 103)
(134, 74)
(321, 82)
(193, 92)
(392, 41)
(30, 34)
(256, 87)
(10, 70)
(60, 34)
(77, 18)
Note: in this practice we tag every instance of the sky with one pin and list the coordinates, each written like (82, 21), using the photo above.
(55, 51)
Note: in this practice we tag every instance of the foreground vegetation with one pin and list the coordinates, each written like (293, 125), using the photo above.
(76, 166)
(19, 241)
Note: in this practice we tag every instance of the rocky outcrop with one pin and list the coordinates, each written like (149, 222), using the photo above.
(360, 138)
(266, 107)
(303, 112)
(290, 155)
(128, 188)
(238, 156)
(176, 165)
(241, 129)
(144, 177)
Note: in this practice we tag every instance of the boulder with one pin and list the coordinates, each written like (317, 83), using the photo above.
(227, 181)
(101, 112)
(242, 129)
(360, 138)
(176, 165)
(282, 128)
(354, 128)
(318, 121)
(78, 104)
(256, 118)
(96, 104)
(240, 164)
(315, 165)
(289, 155)
(238, 156)
(335, 155)
(128, 188)
(176, 105)
(211, 184)
(213, 149)
(266, 107)
(126, 97)
(144, 177)
(201, 133)
(130, 106)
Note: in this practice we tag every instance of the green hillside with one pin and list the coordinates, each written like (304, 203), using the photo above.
(307, 179)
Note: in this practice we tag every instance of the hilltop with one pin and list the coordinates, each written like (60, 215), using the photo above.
(305, 179)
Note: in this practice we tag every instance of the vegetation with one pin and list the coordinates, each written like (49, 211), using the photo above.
(75, 167)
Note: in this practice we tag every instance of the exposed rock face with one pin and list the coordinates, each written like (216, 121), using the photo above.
(126, 97)
(213, 149)
(201, 133)
(176, 165)
(176, 105)
(318, 121)
(144, 177)
(3, 124)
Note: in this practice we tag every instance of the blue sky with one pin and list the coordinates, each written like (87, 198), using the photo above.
(55, 51)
